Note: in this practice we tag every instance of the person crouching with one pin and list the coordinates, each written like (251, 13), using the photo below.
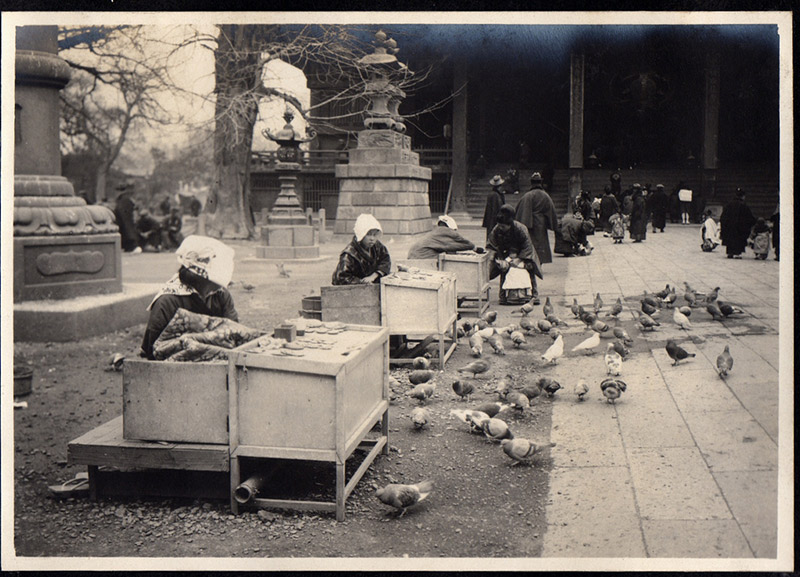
(510, 245)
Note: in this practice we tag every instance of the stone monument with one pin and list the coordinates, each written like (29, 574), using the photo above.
(65, 251)
(288, 233)
(383, 176)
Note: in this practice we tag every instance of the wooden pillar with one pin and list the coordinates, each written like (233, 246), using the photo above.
(576, 123)
(458, 196)
(710, 160)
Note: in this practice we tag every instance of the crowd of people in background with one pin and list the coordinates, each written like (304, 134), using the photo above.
(140, 230)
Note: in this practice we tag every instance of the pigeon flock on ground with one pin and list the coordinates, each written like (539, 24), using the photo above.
(517, 395)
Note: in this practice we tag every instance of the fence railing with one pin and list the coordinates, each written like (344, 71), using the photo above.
(439, 159)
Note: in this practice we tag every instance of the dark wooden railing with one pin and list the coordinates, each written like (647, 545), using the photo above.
(438, 159)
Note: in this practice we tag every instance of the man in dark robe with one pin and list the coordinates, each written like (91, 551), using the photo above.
(608, 208)
(494, 201)
(736, 221)
(537, 212)
(657, 201)
(638, 225)
(124, 214)
(510, 245)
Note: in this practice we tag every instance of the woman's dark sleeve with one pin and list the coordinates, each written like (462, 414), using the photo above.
(161, 313)
(344, 273)
(384, 261)
(228, 308)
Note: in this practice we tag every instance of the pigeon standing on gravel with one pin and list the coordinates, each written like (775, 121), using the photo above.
(496, 342)
(476, 345)
(420, 376)
(489, 317)
(648, 309)
(681, 320)
(549, 386)
(670, 299)
(521, 450)
(544, 325)
(575, 308)
(547, 307)
(525, 309)
(463, 390)
(613, 361)
(712, 296)
(621, 333)
(497, 429)
(616, 308)
(663, 293)
(724, 362)
(420, 417)
(676, 352)
(492, 408)
(581, 388)
(404, 496)
(518, 401)
(588, 345)
(729, 310)
(620, 348)
(475, 367)
(612, 389)
(598, 303)
(714, 311)
(503, 386)
(647, 322)
(555, 351)
(518, 339)
(422, 392)
(687, 311)
(474, 418)
(421, 363)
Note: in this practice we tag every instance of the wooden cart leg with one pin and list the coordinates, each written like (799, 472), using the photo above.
(340, 510)
(235, 480)
(385, 431)
(441, 349)
(93, 481)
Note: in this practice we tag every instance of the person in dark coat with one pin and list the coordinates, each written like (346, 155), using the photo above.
(149, 229)
(537, 212)
(199, 286)
(173, 225)
(638, 225)
(124, 212)
(365, 260)
(674, 205)
(776, 233)
(510, 245)
(657, 201)
(736, 221)
(583, 206)
(443, 238)
(494, 201)
(574, 232)
(608, 208)
(616, 185)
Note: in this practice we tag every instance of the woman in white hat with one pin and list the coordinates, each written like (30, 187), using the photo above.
(365, 260)
(443, 238)
(199, 286)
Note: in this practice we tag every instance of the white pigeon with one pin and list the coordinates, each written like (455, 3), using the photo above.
(581, 388)
(556, 350)
(487, 332)
(681, 320)
(589, 344)
(613, 361)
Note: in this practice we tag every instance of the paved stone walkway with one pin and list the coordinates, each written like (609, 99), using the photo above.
(685, 464)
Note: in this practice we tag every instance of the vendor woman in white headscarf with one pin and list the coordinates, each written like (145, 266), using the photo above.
(443, 238)
(365, 260)
(199, 286)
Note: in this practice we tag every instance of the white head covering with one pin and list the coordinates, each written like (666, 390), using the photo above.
(449, 221)
(364, 224)
(208, 258)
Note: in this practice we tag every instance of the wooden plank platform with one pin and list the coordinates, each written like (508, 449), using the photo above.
(105, 445)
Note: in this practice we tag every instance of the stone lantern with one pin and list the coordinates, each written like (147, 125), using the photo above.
(383, 176)
(288, 233)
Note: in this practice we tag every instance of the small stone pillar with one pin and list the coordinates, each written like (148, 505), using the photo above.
(383, 176)
(288, 233)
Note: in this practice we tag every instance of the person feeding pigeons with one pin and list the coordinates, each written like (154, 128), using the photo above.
(365, 260)
(509, 245)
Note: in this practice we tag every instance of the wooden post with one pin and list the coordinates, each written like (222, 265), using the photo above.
(458, 202)
(710, 123)
(576, 88)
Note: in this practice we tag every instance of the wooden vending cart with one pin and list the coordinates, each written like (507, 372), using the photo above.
(419, 303)
(472, 279)
(313, 404)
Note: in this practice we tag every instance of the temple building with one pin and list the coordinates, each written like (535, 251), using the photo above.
(661, 104)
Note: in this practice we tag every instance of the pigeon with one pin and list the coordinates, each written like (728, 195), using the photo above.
(282, 270)
(598, 303)
(476, 345)
(729, 310)
(612, 389)
(509, 329)
(115, 362)
(620, 348)
(489, 317)
(556, 350)
(575, 308)
(613, 361)
(690, 296)
(518, 338)
(486, 333)
(588, 318)
(616, 308)
(531, 391)
(496, 342)
(496, 429)
(422, 392)
(588, 345)
(525, 309)
(547, 307)
(670, 298)
(621, 333)
(403, 496)
(599, 326)
(526, 324)
(687, 311)
(544, 325)
(555, 321)
(581, 388)
(651, 301)
(648, 309)
(492, 408)
(463, 390)
(712, 296)
(714, 311)
(519, 449)
(503, 386)
(554, 333)
(648, 322)
(475, 367)
(518, 400)
(676, 353)
(467, 326)
(549, 386)
(681, 320)
(474, 418)
(421, 363)
(420, 376)
(247, 286)
(663, 294)
(480, 324)
(420, 417)
(724, 362)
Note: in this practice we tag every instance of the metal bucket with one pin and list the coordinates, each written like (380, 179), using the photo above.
(23, 381)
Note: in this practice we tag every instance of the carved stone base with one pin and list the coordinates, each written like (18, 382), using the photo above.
(288, 242)
(72, 319)
(63, 267)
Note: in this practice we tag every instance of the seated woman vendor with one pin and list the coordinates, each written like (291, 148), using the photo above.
(365, 260)
(199, 286)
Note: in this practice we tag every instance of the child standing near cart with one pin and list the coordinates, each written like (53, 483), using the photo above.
(618, 222)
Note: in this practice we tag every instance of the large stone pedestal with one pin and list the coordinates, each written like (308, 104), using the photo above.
(288, 241)
(384, 178)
